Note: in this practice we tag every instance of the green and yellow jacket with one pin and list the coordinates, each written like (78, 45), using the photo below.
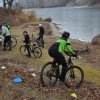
(65, 46)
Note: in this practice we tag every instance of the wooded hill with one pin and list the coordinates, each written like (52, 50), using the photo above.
(56, 3)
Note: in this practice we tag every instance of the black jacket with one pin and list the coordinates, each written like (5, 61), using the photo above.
(27, 39)
(41, 31)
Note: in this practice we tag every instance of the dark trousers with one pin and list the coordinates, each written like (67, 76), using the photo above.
(28, 49)
(7, 41)
(40, 37)
(60, 59)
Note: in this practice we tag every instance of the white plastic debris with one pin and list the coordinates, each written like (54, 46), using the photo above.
(31, 69)
(3, 67)
(33, 74)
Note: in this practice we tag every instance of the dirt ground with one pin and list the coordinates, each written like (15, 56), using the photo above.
(31, 88)
(17, 65)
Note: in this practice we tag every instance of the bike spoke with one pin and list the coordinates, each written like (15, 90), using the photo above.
(37, 52)
(48, 77)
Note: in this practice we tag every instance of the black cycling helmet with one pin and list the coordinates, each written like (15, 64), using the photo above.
(65, 35)
(25, 32)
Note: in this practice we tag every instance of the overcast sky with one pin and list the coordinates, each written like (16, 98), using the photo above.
(0, 1)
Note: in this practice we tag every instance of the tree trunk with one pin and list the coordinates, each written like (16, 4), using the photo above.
(4, 3)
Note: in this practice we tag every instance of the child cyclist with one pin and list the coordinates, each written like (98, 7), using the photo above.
(57, 49)
(27, 42)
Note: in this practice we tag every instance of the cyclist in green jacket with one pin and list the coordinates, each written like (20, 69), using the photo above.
(56, 51)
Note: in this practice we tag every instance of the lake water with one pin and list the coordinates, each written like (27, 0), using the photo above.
(83, 23)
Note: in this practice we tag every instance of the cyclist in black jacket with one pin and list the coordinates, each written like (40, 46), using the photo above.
(27, 42)
(41, 32)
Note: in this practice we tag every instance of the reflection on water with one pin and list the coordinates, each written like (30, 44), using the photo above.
(82, 23)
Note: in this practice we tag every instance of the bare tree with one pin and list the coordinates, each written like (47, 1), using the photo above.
(10, 3)
(4, 3)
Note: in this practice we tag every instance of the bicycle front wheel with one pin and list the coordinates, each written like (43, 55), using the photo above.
(13, 41)
(37, 52)
(74, 77)
(23, 50)
(48, 78)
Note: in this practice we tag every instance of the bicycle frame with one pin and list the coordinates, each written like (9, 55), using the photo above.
(69, 61)
(31, 47)
(69, 64)
(40, 41)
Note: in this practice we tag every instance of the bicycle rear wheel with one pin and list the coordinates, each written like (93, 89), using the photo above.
(13, 41)
(46, 77)
(23, 50)
(74, 77)
(37, 52)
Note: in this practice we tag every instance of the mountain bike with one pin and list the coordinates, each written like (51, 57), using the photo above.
(36, 51)
(13, 42)
(40, 42)
(50, 73)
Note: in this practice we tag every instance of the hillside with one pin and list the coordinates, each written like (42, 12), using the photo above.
(56, 3)
(15, 17)
(31, 89)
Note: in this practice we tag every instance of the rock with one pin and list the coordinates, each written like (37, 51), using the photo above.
(48, 20)
(50, 32)
(40, 19)
(96, 40)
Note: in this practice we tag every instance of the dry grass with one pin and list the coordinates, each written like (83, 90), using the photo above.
(31, 88)
(36, 63)
(16, 17)
(91, 73)
(25, 17)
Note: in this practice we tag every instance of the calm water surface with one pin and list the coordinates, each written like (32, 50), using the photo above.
(82, 23)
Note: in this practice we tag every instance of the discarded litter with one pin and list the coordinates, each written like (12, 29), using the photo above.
(3, 67)
(74, 95)
(33, 74)
(18, 80)
(31, 70)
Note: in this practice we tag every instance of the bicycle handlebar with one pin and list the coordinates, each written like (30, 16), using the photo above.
(78, 51)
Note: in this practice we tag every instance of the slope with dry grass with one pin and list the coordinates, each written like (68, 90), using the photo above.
(16, 17)
(31, 88)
